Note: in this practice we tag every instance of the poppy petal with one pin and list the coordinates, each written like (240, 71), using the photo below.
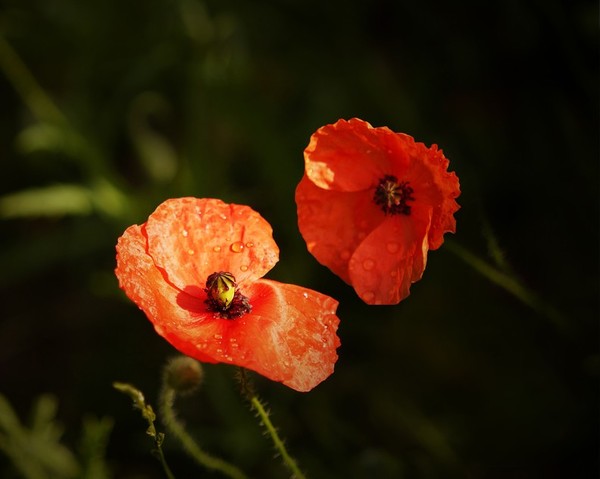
(171, 311)
(433, 186)
(349, 155)
(390, 259)
(290, 335)
(334, 223)
(191, 238)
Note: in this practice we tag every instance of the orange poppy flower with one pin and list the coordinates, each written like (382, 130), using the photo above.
(194, 268)
(372, 203)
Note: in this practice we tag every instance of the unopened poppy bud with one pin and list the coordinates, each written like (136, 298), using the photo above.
(221, 288)
(183, 374)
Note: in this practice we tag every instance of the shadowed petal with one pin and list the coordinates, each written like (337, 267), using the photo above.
(390, 259)
(334, 223)
(397, 188)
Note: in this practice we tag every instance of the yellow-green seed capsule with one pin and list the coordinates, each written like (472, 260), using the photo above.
(221, 288)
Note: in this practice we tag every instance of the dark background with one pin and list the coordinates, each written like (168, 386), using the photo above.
(168, 98)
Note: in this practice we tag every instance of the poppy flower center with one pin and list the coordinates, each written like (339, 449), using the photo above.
(393, 195)
(224, 297)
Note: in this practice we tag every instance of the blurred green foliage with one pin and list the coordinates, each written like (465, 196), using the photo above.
(108, 108)
(37, 453)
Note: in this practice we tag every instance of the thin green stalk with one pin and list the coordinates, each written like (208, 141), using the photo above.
(25, 83)
(259, 407)
(508, 283)
(163, 461)
(176, 428)
(279, 444)
(139, 402)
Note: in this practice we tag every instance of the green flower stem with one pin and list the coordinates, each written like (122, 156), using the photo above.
(139, 402)
(289, 461)
(509, 283)
(176, 428)
(259, 407)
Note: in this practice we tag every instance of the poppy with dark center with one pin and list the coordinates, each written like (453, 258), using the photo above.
(195, 269)
(371, 204)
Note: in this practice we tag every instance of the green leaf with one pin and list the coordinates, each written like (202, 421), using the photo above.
(94, 441)
(36, 453)
(55, 200)
(50, 137)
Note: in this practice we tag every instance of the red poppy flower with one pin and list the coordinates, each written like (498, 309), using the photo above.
(194, 268)
(372, 203)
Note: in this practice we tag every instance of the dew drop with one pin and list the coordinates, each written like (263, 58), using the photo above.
(305, 295)
(216, 249)
(368, 296)
(228, 358)
(237, 247)
(218, 336)
(184, 233)
(220, 351)
(345, 255)
(368, 264)
(249, 244)
(392, 247)
(190, 251)
(244, 267)
(222, 216)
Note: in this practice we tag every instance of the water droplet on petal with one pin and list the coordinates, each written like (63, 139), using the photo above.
(368, 296)
(305, 295)
(249, 244)
(244, 267)
(190, 251)
(222, 216)
(218, 336)
(368, 264)
(345, 255)
(237, 247)
(392, 247)
(216, 249)
(184, 233)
